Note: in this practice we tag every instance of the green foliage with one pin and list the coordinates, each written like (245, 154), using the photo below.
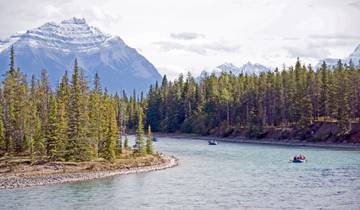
(70, 123)
(149, 142)
(293, 97)
(139, 142)
(343, 95)
(76, 123)
(54, 145)
(111, 133)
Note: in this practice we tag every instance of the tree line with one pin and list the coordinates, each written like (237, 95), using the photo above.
(295, 97)
(74, 122)
(71, 122)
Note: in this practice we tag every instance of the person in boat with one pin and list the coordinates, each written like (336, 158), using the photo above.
(299, 157)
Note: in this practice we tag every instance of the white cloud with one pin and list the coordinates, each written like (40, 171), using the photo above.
(355, 4)
(307, 52)
(335, 36)
(202, 49)
(186, 36)
(268, 32)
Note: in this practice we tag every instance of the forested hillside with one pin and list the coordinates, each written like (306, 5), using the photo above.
(76, 123)
(71, 123)
(295, 97)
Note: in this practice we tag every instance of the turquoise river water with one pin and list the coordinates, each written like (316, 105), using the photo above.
(226, 176)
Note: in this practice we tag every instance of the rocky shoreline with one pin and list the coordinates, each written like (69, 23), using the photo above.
(13, 181)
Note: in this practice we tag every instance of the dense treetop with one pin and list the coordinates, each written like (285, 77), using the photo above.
(293, 97)
(72, 122)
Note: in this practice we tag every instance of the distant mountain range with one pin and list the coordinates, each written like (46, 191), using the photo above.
(247, 68)
(250, 68)
(354, 57)
(54, 46)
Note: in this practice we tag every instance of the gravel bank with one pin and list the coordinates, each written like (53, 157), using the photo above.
(8, 182)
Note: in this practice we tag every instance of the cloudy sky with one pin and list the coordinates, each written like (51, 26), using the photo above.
(189, 35)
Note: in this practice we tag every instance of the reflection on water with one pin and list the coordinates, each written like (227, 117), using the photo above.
(226, 176)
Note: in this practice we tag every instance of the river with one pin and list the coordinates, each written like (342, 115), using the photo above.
(226, 176)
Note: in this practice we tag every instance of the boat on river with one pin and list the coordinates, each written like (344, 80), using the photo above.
(212, 142)
(298, 159)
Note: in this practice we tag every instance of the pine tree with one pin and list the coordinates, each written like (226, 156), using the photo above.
(306, 114)
(324, 94)
(15, 95)
(54, 145)
(343, 112)
(84, 144)
(111, 135)
(103, 123)
(37, 142)
(9, 110)
(120, 118)
(139, 142)
(149, 142)
(62, 117)
(44, 102)
(72, 149)
(299, 92)
(95, 116)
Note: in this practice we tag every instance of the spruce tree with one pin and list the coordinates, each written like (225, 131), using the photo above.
(324, 94)
(72, 147)
(306, 114)
(95, 116)
(15, 99)
(54, 145)
(62, 114)
(149, 142)
(343, 112)
(111, 135)
(139, 142)
(37, 142)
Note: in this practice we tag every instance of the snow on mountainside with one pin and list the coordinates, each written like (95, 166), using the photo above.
(354, 57)
(255, 68)
(54, 46)
(247, 68)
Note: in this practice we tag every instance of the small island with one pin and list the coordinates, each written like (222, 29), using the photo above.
(72, 133)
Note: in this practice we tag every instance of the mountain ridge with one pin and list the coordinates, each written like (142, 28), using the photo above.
(354, 57)
(247, 69)
(54, 46)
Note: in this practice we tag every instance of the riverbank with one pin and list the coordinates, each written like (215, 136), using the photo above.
(282, 142)
(60, 172)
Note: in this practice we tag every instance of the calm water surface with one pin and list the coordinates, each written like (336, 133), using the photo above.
(226, 176)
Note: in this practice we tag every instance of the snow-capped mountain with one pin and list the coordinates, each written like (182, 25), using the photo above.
(255, 68)
(247, 69)
(354, 57)
(54, 46)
